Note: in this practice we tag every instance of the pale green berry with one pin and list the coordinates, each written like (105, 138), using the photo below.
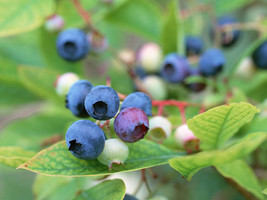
(64, 82)
(160, 128)
(150, 57)
(115, 151)
(246, 69)
(155, 87)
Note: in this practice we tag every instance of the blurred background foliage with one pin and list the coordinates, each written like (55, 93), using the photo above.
(31, 112)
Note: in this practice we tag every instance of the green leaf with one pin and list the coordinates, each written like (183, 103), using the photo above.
(14, 156)
(219, 124)
(23, 15)
(189, 165)
(195, 79)
(8, 70)
(245, 177)
(141, 17)
(34, 132)
(172, 33)
(265, 191)
(58, 161)
(39, 80)
(110, 189)
(59, 187)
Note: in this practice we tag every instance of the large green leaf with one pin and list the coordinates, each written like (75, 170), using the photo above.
(219, 124)
(65, 188)
(58, 161)
(141, 17)
(110, 189)
(14, 156)
(189, 165)
(8, 70)
(240, 172)
(23, 15)
(35, 132)
(39, 80)
(172, 35)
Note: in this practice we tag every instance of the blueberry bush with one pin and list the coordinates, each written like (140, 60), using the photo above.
(133, 99)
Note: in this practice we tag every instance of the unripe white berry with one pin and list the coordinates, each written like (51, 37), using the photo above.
(183, 134)
(246, 69)
(54, 23)
(160, 128)
(115, 151)
(155, 87)
(64, 82)
(150, 57)
(127, 56)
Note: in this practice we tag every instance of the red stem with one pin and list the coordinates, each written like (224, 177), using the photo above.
(160, 109)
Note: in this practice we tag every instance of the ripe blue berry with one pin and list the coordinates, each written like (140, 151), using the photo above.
(76, 96)
(193, 45)
(72, 44)
(211, 62)
(131, 124)
(259, 56)
(102, 102)
(228, 38)
(129, 197)
(138, 100)
(175, 68)
(85, 139)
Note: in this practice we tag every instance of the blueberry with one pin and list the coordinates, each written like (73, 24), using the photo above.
(72, 44)
(131, 124)
(129, 197)
(230, 37)
(193, 45)
(76, 96)
(85, 139)
(140, 72)
(175, 68)
(259, 56)
(211, 62)
(138, 100)
(102, 102)
(196, 87)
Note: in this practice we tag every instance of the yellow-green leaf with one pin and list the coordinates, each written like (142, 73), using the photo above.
(189, 165)
(240, 172)
(19, 16)
(14, 156)
(219, 124)
(58, 161)
(107, 190)
(265, 191)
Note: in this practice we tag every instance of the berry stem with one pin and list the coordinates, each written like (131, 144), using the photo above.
(160, 110)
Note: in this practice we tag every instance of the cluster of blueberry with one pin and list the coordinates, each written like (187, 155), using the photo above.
(86, 140)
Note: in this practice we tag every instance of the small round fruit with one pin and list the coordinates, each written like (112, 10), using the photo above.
(160, 128)
(127, 56)
(76, 96)
(54, 23)
(72, 44)
(64, 82)
(211, 62)
(131, 124)
(175, 68)
(246, 69)
(155, 87)
(102, 102)
(149, 57)
(138, 100)
(186, 139)
(228, 38)
(85, 139)
(98, 42)
(193, 45)
(115, 151)
(259, 56)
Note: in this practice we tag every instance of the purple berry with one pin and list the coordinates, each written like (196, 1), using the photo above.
(131, 124)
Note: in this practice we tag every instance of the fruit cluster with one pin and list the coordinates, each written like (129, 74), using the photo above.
(85, 139)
